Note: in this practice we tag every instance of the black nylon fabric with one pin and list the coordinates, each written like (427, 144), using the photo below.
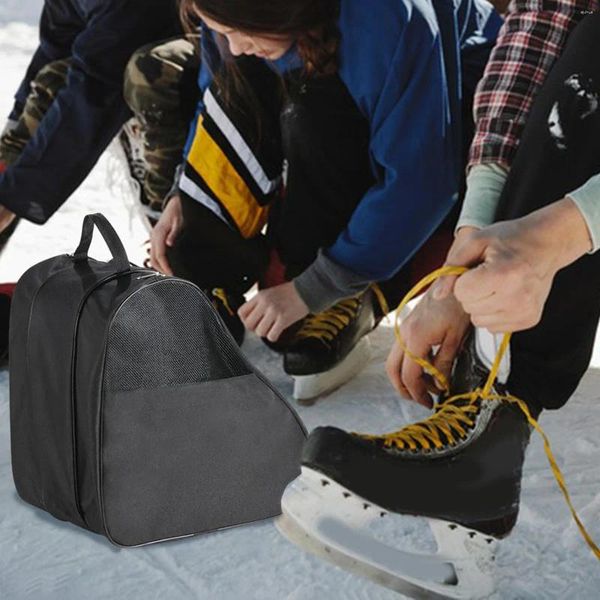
(133, 412)
(214, 429)
(43, 319)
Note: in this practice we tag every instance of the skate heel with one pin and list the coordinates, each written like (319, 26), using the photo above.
(308, 388)
(471, 553)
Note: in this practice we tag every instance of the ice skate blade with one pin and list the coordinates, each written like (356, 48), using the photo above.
(308, 388)
(328, 520)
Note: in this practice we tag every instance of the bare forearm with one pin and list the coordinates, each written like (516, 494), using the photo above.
(560, 232)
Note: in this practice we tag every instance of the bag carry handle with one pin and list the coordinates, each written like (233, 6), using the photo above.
(110, 237)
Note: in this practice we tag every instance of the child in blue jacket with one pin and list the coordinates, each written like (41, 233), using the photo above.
(337, 123)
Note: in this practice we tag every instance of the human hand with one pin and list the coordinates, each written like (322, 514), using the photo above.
(6, 218)
(432, 323)
(273, 310)
(513, 266)
(164, 234)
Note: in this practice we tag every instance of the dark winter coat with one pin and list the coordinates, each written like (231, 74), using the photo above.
(100, 36)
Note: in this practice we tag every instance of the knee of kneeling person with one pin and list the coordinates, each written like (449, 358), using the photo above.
(141, 84)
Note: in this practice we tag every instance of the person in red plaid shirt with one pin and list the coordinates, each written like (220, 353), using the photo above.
(528, 231)
(534, 171)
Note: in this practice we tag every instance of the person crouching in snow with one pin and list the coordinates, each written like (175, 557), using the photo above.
(527, 260)
(70, 104)
(362, 104)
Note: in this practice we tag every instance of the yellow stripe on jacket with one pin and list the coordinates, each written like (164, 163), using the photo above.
(210, 162)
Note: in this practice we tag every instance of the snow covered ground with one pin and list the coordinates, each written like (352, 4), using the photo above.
(44, 559)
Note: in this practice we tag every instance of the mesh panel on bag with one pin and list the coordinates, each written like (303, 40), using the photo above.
(167, 334)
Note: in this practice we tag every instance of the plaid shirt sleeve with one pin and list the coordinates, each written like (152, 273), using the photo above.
(532, 37)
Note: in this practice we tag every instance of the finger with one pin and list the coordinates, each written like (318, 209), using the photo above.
(264, 327)
(444, 286)
(495, 303)
(393, 367)
(157, 248)
(478, 284)
(507, 323)
(444, 357)
(498, 323)
(157, 253)
(173, 234)
(254, 318)
(469, 252)
(413, 380)
(277, 329)
(164, 266)
(247, 308)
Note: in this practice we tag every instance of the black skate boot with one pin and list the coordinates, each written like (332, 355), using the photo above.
(461, 468)
(227, 304)
(286, 339)
(331, 347)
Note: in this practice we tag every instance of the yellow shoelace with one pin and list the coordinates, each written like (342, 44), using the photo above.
(450, 417)
(450, 420)
(326, 325)
(220, 294)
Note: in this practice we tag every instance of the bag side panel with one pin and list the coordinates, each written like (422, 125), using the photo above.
(23, 419)
(189, 459)
(192, 439)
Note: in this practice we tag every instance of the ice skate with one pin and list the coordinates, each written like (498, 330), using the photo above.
(330, 348)
(460, 469)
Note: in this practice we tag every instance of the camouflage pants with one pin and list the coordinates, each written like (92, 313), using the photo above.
(44, 89)
(161, 90)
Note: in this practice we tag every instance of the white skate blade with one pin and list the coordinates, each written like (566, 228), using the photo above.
(328, 520)
(310, 387)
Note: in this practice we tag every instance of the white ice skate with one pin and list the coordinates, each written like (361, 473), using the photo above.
(330, 521)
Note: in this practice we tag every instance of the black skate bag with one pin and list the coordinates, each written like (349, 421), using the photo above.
(133, 412)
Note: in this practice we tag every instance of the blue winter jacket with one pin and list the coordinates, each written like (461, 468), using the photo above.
(100, 36)
(403, 62)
